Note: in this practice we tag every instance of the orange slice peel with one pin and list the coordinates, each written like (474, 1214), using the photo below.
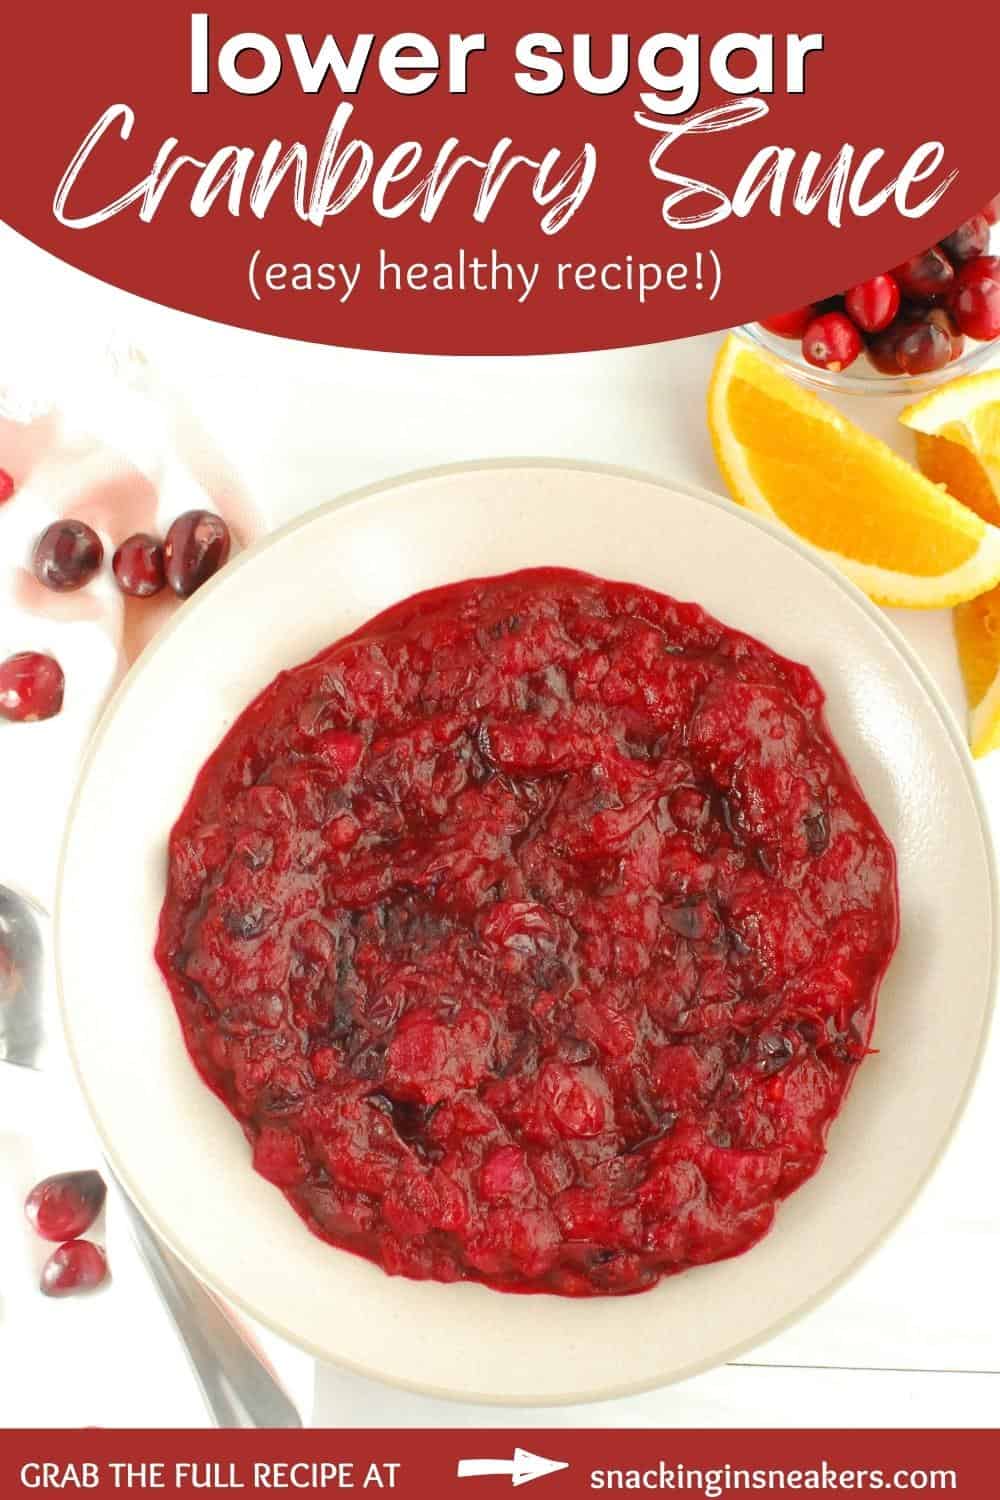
(788, 455)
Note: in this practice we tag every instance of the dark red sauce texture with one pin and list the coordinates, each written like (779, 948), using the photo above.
(533, 934)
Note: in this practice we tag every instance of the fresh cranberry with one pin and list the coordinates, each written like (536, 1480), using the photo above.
(77, 1266)
(881, 350)
(31, 687)
(831, 342)
(943, 319)
(138, 566)
(6, 486)
(923, 347)
(967, 241)
(64, 1206)
(872, 304)
(67, 555)
(926, 277)
(790, 325)
(197, 546)
(975, 302)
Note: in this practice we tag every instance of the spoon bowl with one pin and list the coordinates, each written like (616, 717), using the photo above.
(25, 980)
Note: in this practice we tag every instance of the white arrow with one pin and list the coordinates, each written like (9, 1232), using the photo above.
(522, 1468)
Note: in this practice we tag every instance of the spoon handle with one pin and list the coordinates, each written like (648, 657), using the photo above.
(239, 1389)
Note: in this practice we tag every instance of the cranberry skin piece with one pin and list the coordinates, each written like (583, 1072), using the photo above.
(67, 555)
(31, 687)
(923, 347)
(831, 342)
(927, 277)
(64, 1206)
(968, 241)
(872, 304)
(790, 325)
(197, 546)
(975, 302)
(77, 1266)
(7, 486)
(138, 566)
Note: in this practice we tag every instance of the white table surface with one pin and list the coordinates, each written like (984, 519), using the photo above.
(912, 1340)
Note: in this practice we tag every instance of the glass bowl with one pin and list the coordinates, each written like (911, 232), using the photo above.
(862, 378)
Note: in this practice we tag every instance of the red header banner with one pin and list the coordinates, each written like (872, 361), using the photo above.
(528, 179)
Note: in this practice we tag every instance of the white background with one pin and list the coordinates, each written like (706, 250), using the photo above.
(912, 1340)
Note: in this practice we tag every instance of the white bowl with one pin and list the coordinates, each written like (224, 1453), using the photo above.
(183, 1157)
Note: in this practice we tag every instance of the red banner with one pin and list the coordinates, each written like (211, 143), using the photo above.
(508, 182)
(466, 1463)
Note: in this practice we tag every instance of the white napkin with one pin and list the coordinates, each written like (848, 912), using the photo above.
(86, 430)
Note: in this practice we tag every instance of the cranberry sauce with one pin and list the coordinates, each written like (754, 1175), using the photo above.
(533, 934)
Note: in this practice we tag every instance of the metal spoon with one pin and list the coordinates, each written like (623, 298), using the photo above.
(239, 1389)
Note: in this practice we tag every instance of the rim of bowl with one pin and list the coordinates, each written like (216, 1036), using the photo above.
(867, 381)
(370, 492)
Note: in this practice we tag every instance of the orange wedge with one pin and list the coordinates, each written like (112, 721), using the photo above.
(957, 428)
(977, 631)
(788, 455)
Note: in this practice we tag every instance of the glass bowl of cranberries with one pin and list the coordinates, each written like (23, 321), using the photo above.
(934, 316)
